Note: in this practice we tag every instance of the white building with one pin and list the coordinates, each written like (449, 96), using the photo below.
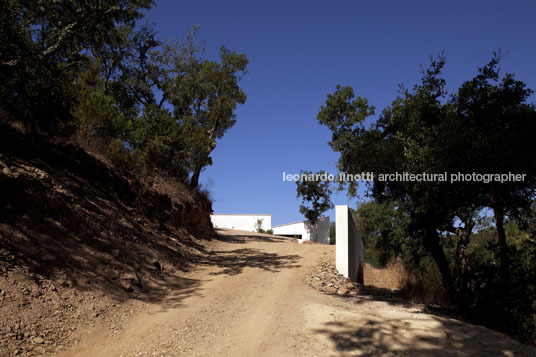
(244, 222)
(305, 231)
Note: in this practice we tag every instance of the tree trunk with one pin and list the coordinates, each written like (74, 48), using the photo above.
(464, 235)
(431, 243)
(463, 260)
(194, 181)
(498, 210)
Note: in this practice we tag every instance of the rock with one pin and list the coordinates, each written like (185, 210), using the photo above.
(342, 291)
(66, 282)
(317, 283)
(19, 276)
(115, 253)
(38, 340)
(331, 289)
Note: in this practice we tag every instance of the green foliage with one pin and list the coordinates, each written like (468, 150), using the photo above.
(121, 157)
(423, 131)
(404, 139)
(177, 133)
(316, 194)
(332, 233)
(270, 231)
(495, 125)
(43, 46)
(205, 95)
(96, 113)
(157, 140)
(513, 305)
(89, 61)
(383, 228)
(485, 128)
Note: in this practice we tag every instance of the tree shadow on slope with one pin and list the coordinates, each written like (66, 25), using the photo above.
(401, 298)
(233, 262)
(67, 218)
(126, 261)
(437, 336)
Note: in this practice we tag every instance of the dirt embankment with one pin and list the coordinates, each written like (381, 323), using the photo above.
(81, 245)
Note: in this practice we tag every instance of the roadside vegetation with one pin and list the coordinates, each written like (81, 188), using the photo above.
(468, 244)
(89, 72)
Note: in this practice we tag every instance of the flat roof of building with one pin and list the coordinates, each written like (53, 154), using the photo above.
(288, 224)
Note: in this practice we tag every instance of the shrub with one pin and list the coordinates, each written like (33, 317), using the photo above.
(121, 157)
(97, 116)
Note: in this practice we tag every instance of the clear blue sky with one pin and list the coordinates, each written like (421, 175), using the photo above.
(299, 51)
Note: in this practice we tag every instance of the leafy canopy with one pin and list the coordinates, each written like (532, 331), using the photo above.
(315, 195)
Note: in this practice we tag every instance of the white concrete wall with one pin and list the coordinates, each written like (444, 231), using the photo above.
(349, 250)
(306, 230)
(296, 228)
(244, 222)
(323, 230)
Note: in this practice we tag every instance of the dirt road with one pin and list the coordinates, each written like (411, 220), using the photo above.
(249, 298)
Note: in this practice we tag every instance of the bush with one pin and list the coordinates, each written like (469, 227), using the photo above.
(157, 141)
(97, 116)
(258, 226)
(510, 308)
(121, 157)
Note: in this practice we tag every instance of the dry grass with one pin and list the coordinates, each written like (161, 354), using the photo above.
(392, 277)
(425, 287)
(168, 186)
(157, 181)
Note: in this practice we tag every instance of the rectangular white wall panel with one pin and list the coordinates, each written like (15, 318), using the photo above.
(305, 230)
(349, 250)
(244, 222)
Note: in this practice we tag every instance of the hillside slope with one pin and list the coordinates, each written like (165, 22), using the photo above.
(81, 244)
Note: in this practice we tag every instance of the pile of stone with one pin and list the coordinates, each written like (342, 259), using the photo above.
(326, 279)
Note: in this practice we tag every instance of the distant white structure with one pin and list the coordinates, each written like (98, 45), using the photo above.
(244, 222)
(349, 250)
(305, 231)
